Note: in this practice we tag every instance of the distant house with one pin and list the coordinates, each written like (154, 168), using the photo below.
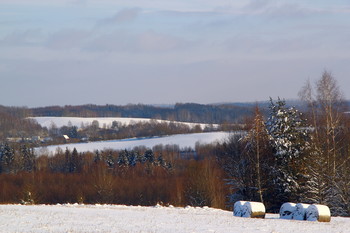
(66, 137)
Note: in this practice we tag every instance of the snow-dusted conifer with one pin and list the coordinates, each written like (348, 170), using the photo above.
(110, 160)
(149, 156)
(123, 159)
(288, 138)
(28, 158)
(132, 158)
(97, 157)
(7, 157)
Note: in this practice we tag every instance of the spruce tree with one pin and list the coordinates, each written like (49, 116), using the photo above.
(149, 156)
(110, 160)
(123, 159)
(7, 157)
(28, 158)
(288, 138)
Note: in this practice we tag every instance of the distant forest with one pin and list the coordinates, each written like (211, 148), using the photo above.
(188, 112)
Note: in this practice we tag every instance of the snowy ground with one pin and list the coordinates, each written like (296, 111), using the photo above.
(103, 121)
(116, 218)
(182, 140)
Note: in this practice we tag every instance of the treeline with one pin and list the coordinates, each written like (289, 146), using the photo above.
(14, 124)
(190, 112)
(95, 131)
(138, 177)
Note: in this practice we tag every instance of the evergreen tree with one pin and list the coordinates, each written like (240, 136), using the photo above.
(149, 156)
(7, 157)
(97, 157)
(123, 158)
(288, 138)
(73, 132)
(75, 162)
(28, 158)
(110, 160)
(327, 163)
(132, 158)
(140, 158)
(68, 158)
(160, 161)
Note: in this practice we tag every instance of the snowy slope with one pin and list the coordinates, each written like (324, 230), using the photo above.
(183, 140)
(117, 218)
(107, 121)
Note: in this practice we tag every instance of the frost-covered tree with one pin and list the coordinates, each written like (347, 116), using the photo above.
(288, 138)
(28, 158)
(132, 158)
(140, 158)
(123, 158)
(161, 161)
(149, 156)
(73, 132)
(110, 160)
(7, 156)
(328, 155)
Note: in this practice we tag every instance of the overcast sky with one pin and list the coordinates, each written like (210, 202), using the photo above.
(61, 52)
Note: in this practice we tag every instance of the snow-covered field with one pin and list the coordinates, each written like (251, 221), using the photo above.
(182, 140)
(103, 121)
(117, 218)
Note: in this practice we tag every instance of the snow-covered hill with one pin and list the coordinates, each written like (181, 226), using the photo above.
(182, 140)
(103, 121)
(116, 218)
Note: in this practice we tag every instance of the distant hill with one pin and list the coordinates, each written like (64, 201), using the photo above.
(188, 112)
(217, 113)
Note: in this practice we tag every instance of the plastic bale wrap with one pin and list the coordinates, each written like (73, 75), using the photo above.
(254, 210)
(300, 211)
(287, 210)
(238, 208)
(319, 213)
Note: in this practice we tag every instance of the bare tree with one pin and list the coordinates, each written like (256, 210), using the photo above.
(330, 100)
(327, 156)
(256, 143)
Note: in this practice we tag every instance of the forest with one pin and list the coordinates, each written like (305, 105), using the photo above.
(188, 112)
(286, 155)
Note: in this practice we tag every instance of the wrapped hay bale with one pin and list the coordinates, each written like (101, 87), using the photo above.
(253, 210)
(238, 208)
(319, 213)
(287, 210)
(249, 209)
(300, 211)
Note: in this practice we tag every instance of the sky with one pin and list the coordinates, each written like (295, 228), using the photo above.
(71, 52)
